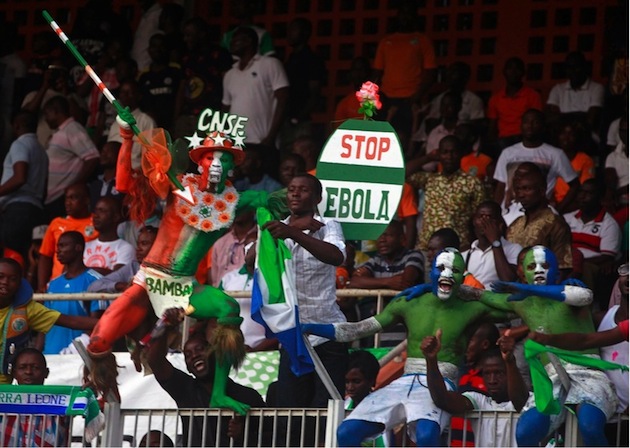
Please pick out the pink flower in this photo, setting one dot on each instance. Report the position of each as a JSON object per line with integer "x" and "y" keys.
{"x": 369, "y": 92}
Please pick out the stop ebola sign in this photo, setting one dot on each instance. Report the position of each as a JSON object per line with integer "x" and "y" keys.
{"x": 362, "y": 171}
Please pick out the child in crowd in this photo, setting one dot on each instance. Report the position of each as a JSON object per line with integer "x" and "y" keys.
{"x": 363, "y": 369}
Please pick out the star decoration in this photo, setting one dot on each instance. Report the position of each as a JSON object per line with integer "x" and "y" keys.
{"x": 195, "y": 140}
{"x": 205, "y": 212}
{"x": 239, "y": 140}
{"x": 219, "y": 139}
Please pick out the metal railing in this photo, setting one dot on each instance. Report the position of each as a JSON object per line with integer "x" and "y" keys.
{"x": 273, "y": 427}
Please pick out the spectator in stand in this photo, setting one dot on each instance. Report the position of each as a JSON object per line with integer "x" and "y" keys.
{"x": 196, "y": 391}
{"x": 363, "y": 369}
{"x": 155, "y": 438}
{"x": 125, "y": 68}
{"x": 491, "y": 257}
{"x": 72, "y": 156}
{"x": 612, "y": 136}
{"x": 170, "y": 23}
{"x": 507, "y": 106}
{"x": 22, "y": 185}
{"x": 616, "y": 171}
{"x": 405, "y": 70}
{"x": 30, "y": 369}
{"x": 33, "y": 254}
{"x": 483, "y": 340}
{"x": 456, "y": 78}
{"x": 450, "y": 106}
{"x": 159, "y": 83}
{"x": 306, "y": 73}
{"x": 203, "y": 67}
{"x": 394, "y": 266}
{"x": 579, "y": 95}
{"x": 79, "y": 218}
{"x": 228, "y": 253}
{"x": 290, "y": 165}
{"x": 251, "y": 175}
{"x": 76, "y": 278}
{"x": 256, "y": 87}
{"x": 307, "y": 148}
{"x": 553, "y": 163}
{"x": 597, "y": 237}
{"x": 317, "y": 246}
{"x": 129, "y": 96}
{"x": 570, "y": 140}
{"x": 475, "y": 162}
{"x": 14, "y": 80}
{"x": 147, "y": 27}
{"x": 348, "y": 107}
{"x": 107, "y": 252}
{"x": 506, "y": 390}
{"x": 440, "y": 240}
{"x": 105, "y": 183}
{"x": 540, "y": 225}
{"x": 56, "y": 82}
{"x": 120, "y": 279}
{"x": 450, "y": 196}
{"x": 20, "y": 315}
{"x": 244, "y": 11}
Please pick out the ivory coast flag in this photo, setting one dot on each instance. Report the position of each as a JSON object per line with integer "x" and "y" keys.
{"x": 274, "y": 300}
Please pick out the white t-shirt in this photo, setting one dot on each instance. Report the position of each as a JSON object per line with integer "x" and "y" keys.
{"x": 590, "y": 94}
{"x": 472, "y": 107}
{"x": 617, "y": 353}
{"x": 107, "y": 254}
{"x": 552, "y": 161}
{"x": 618, "y": 160}
{"x": 251, "y": 93}
{"x": 491, "y": 431}
{"x": 480, "y": 263}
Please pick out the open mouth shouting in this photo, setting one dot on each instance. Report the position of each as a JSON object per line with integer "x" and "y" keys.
{"x": 445, "y": 285}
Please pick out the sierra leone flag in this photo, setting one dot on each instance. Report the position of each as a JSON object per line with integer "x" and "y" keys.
{"x": 274, "y": 300}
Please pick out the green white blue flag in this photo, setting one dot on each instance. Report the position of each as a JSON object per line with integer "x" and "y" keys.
{"x": 274, "y": 300}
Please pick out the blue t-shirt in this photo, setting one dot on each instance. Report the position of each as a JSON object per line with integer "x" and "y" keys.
{"x": 58, "y": 337}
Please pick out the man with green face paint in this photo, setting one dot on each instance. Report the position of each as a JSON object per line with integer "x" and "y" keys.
{"x": 188, "y": 229}
{"x": 408, "y": 398}
{"x": 550, "y": 308}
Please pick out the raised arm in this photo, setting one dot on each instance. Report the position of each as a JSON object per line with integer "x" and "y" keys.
{"x": 158, "y": 347}
{"x": 517, "y": 389}
{"x": 443, "y": 398}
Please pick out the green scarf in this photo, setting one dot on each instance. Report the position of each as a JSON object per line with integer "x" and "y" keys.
{"x": 543, "y": 389}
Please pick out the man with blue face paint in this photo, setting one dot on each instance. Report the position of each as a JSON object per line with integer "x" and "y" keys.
{"x": 408, "y": 398}
{"x": 550, "y": 308}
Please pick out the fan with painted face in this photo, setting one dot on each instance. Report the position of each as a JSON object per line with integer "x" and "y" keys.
{"x": 447, "y": 273}
{"x": 540, "y": 266}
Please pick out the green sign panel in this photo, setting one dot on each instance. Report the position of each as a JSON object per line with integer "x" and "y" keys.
{"x": 362, "y": 170}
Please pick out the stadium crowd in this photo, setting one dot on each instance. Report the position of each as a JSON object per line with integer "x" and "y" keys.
{"x": 489, "y": 186}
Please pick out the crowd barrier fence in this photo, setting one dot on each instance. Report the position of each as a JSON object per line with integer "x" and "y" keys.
{"x": 273, "y": 426}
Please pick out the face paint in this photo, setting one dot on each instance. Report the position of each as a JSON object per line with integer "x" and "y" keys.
{"x": 541, "y": 267}
{"x": 447, "y": 273}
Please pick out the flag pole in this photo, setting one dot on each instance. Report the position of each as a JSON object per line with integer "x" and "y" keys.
{"x": 321, "y": 370}
{"x": 101, "y": 85}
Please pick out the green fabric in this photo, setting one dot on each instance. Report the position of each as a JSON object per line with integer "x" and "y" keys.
{"x": 543, "y": 388}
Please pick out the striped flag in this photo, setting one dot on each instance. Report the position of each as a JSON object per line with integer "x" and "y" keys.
{"x": 274, "y": 299}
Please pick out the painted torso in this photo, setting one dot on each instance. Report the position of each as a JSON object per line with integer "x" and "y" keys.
{"x": 182, "y": 240}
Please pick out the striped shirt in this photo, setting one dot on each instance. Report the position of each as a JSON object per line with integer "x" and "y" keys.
{"x": 601, "y": 236}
